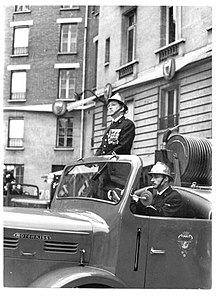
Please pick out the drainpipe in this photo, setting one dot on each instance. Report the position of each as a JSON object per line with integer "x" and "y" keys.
{"x": 83, "y": 83}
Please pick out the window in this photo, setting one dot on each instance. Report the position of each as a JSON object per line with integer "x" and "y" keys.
{"x": 171, "y": 24}
{"x": 128, "y": 42}
{"x": 128, "y": 36}
{"x": 21, "y": 8}
{"x": 169, "y": 116}
{"x": 107, "y": 50}
{"x": 65, "y": 132}
{"x": 20, "y": 41}
{"x": 171, "y": 42}
{"x": 16, "y": 133}
{"x": 95, "y": 10}
{"x": 69, "y": 7}
{"x": 131, "y": 36}
{"x": 104, "y": 115}
{"x": 95, "y": 64}
{"x": 57, "y": 168}
{"x": 66, "y": 84}
{"x": 68, "y": 38}
{"x": 18, "y": 85}
{"x": 17, "y": 171}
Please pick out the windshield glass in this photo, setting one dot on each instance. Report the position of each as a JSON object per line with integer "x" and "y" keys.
{"x": 104, "y": 181}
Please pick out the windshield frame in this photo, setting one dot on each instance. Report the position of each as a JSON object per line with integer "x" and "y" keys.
{"x": 99, "y": 164}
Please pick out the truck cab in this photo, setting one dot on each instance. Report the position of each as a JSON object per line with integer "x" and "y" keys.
{"x": 89, "y": 237}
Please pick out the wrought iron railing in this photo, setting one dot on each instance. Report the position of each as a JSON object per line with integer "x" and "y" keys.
{"x": 169, "y": 52}
{"x": 126, "y": 71}
{"x": 16, "y": 142}
{"x": 18, "y": 96}
{"x": 168, "y": 121}
{"x": 20, "y": 50}
{"x": 22, "y": 7}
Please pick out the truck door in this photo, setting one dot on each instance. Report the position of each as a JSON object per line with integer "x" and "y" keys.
{"x": 179, "y": 253}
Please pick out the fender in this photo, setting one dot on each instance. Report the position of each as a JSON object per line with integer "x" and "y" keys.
{"x": 71, "y": 277}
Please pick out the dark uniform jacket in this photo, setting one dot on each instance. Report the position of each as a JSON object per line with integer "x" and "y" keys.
{"x": 118, "y": 138}
{"x": 168, "y": 204}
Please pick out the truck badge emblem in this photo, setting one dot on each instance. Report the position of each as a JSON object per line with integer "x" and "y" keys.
{"x": 185, "y": 240}
{"x": 31, "y": 236}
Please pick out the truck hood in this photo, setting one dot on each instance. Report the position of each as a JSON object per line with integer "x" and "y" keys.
{"x": 47, "y": 235}
{"x": 48, "y": 220}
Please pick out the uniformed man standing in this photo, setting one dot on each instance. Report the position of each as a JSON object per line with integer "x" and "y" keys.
{"x": 120, "y": 134}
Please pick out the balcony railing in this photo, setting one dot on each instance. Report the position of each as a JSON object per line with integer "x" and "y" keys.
{"x": 20, "y": 50}
{"x": 22, "y": 8}
{"x": 168, "y": 121}
{"x": 16, "y": 142}
{"x": 18, "y": 96}
{"x": 173, "y": 49}
{"x": 125, "y": 71}
{"x": 169, "y": 52}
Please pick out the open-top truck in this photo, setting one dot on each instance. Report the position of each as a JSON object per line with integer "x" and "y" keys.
{"x": 89, "y": 237}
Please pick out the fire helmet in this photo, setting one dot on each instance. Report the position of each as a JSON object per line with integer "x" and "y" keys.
{"x": 161, "y": 168}
{"x": 117, "y": 97}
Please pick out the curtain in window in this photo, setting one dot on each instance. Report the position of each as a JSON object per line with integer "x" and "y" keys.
{"x": 130, "y": 37}
{"x": 18, "y": 86}
{"x": 21, "y": 41}
{"x": 67, "y": 84}
{"x": 16, "y": 133}
{"x": 68, "y": 38}
{"x": 168, "y": 109}
{"x": 65, "y": 132}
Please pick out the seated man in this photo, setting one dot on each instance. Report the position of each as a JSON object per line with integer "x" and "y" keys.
{"x": 167, "y": 202}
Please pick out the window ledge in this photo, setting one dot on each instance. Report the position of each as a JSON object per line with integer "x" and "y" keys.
{"x": 66, "y": 53}
{"x": 127, "y": 64}
{"x": 14, "y": 148}
{"x": 23, "y": 11}
{"x": 70, "y": 8}
{"x": 169, "y": 50}
{"x": 127, "y": 69}
{"x": 66, "y": 99}
{"x": 19, "y": 55}
{"x": 106, "y": 64}
{"x": 63, "y": 149}
{"x": 16, "y": 100}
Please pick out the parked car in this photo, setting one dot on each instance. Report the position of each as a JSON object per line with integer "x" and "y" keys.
{"x": 24, "y": 195}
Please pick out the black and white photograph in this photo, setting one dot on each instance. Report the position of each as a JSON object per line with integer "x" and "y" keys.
{"x": 107, "y": 140}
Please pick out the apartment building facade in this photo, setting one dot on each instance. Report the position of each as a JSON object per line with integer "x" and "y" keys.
{"x": 45, "y": 54}
{"x": 159, "y": 58}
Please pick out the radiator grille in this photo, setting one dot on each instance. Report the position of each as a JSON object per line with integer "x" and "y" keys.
{"x": 60, "y": 247}
{"x": 11, "y": 243}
